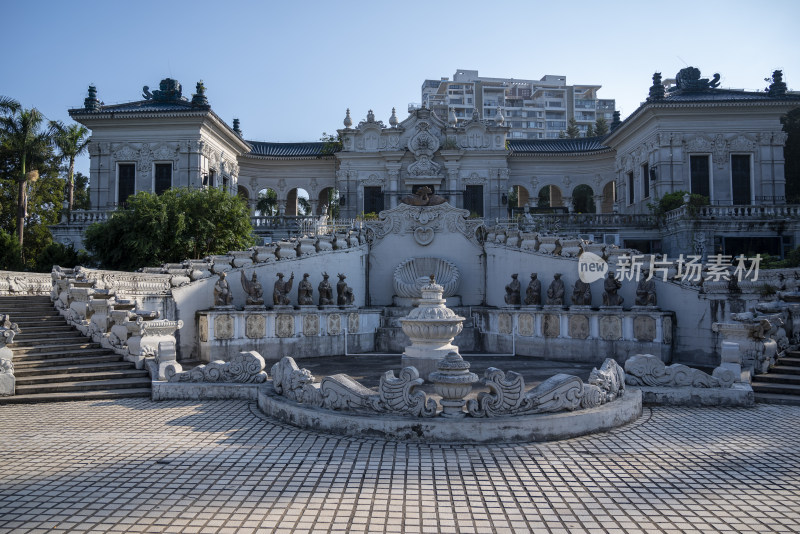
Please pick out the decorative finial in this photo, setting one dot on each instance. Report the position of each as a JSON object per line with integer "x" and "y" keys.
{"x": 451, "y": 118}
{"x": 778, "y": 86}
{"x": 348, "y": 122}
{"x": 370, "y": 116}
{"x": 615, "y": 121}
{"x": 393, "y": 119}
{"x": 475, "y": 115}
{"x": 91, "y": 103}
{"x": 236, "y": 128}
{"x": 498, "y": 118}
{"x": 657, "y": 91}
{"x": 199, "y": 98}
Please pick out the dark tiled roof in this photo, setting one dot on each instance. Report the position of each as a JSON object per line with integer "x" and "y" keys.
{"x": 142, "y": 106}
{"x": 551, "y": 146}
{"x": 287, "y": 150}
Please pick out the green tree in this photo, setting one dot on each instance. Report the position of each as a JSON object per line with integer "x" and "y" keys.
{"x": 26, "y": 146}
{"x": 267, "y": 203}
{"x": 791, "y": 155}
{"x": 177, "y": 225}
{"x": 71, "y": 141}
{"x": 303, "y": 206}
{"x": 600, "y": 127}
{"x": 572, "y": 128}
{"x": 331, "y": 143}
{"x": 590, "y": 131}
{"x": 82, "y": 201}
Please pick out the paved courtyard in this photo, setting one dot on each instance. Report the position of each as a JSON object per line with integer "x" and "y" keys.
{"x": 138, "y": 466}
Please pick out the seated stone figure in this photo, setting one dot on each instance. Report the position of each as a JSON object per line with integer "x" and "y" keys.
{"x": 582, "y": 294}
{"x": 512, "y": 297}
{"x": 304, "y": 292}
{"x": 555, "y": 293}
{"x": 611, "y": 286}
{"x": 255, "y": 293}
{"x": 646, "y": 291}
{"x": 344, "y": 292}
{"x": 325, "y": 291}
{"x": 280, "y": 292}
{"x": 533, "y": 295}
{"x": 222, "y": 291}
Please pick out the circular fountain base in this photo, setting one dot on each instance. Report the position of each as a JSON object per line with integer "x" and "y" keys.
{"x": 527, "y": 428}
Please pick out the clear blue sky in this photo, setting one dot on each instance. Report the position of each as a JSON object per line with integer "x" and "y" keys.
{"x": 288, "y": 70}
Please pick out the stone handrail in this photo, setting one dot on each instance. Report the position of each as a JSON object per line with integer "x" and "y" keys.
{"x": 760, "y": 211}
{"x": 7, "y": 332}
{"x": 89, "y": 216}
{"x": 590, "y": 220}
{"x": 19, "y": 283}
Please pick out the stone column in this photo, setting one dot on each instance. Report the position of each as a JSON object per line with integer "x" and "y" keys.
{"x": 567, "y": 201}
{"x": 394, "y": 174}
{"x": 598, "y": 203}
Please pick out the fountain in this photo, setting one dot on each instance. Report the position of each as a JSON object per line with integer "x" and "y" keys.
{"x": 431, "y": 327}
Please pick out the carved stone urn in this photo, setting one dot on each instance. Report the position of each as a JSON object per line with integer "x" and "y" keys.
{"x": 453, "y": 382}
{"x": 431, "y": 327}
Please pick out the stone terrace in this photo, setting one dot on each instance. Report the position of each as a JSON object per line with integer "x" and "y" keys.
{"x": 138, "y": 466}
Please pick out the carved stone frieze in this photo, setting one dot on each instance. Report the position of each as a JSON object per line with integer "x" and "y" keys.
{"x": 505, "y": 323}
{"x": 525, "y": 324}
{"x": 578, "y": 327}
{"x": 353, "y": 325}
{"x": 551, "y": 325}
{"x": 334, "y": 324}
{"x": 255, "y": 326}
{"x": 284, "y": 325}
{"x": 649, "y": 370}
{"x": 610, "y": 328}
{"x": 644, "y": 328}
{"x": 311, "y": 325}
{"x": 243, "y": 368}
{"x": 405, "y": 219}
{"x": 223, "y": 327}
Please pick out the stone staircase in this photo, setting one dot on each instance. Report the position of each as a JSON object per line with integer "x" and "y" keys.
{"x": 781, "y": 385}
{"x": 54, "y": 362}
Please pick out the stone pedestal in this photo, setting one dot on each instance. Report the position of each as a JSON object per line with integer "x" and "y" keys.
{"x": 431, "y": 327}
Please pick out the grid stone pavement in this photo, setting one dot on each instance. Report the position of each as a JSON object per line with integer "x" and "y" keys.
{"x": 137, "y": 466}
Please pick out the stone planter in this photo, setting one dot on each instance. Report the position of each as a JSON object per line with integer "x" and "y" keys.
{"x": 286, "y": 250}
{"x": 453, "y": 382}
{"x": 265, "y": 254}
{"x": 570, "y": 248}
{"x": 324, "y": 242}
{"x": 548, "y": 244}
{"x": 528, "y": 241}
{"x": 242, "y": 258}
{"x": 306, "y": 246}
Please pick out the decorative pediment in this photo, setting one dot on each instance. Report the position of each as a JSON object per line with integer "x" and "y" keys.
{"x": 406, "y": 219}
{"x": 423, "y": 142}
{"x": 742, "y": 144}
{"x": 699, "y": 143}
{"x": 126, "y": 153}
{"x": 164, "y": 152}
{"x": 474, "y": 179}
{"x": 424, "y": 167}
{"x": 475, "y": 136}
{"x": 373, "y": 180}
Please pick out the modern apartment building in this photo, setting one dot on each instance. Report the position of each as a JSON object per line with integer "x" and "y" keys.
{"x": 533, "y": 109}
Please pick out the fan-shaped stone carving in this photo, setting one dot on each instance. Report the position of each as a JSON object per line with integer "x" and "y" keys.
{"x": 414, "y": 273}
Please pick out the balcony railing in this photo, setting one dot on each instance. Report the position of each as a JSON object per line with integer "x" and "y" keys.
{"x": 754, "y": 212}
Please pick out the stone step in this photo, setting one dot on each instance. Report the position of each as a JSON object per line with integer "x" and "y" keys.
{"x": 79, "y": 376}
{"x": 78, "y": 396}
{"x": 789, "y": 361}
{"x": 87, "y": 385}
{"x": 55, "y": 348}
{"x": 39, "y": 321}
{"x": 781, "y": 369}
{"x": 96, "y": 367}
{"x": 768, "y": 387}
{"x": 778, "y": 378}
{"x": 67, "y": 360}
{"x": 56, "y": 355}
{"x": 777, "y": 398}
{"x": 29, "y": 311}
{"x": 32, "y": 340}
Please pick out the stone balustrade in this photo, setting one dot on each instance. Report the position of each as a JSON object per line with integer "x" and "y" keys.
{"x": 7, "y": 332}
{"x": 578, "y": 333}
{"x": 19, "y": 283}
{"x": 281, "y": 331}
{"x": 750, "y": 212}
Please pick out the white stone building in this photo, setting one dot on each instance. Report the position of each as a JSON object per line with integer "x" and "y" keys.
{"x": 726, "y": 145}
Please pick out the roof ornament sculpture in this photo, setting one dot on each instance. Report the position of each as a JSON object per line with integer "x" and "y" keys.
{"x": 616, "y": 121}
{"x": 393, "y": 119}
{"x": 688, "y": 80}
{"x": 778, "y": 86}
{"x": 91, "y": 103}
{"x": 348, "y": 122}
{"x": 236, "y": 127}
{"x": 199, "y": 98}
{"x": 657, "y": 91}
{"x": 498, "y": 118}
{"x": 451, "y": 118}
{"x": 370, "y": 116}
{"x": 169, "y": 90}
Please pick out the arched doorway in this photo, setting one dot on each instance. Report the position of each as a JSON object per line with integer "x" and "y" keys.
{"x": 583, "y": 199}
{"x": 517, "y": 198}
{"x": 549, "y": 196}
{"x": 328, "y": 203}
{"x": 267, "y": 203}
{"x": 297, "y": 202}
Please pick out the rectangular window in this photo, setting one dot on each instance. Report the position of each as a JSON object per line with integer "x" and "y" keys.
{"x": 646, "y": 181}
{"x": 700, "y": 175}
{"x": 373, "y": 199}
{"x": 163, "y": 177}
{"x": 473, "y": 199}
{"x": 631, "y": 190}
{"x": 126, "y": 184}
{"x": 212, "y": 179}
{"x": 740, "y": 178}
{"x": 224, "y": 183}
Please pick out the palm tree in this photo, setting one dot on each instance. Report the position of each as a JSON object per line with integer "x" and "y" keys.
{"x": 21, "y": 136}
{"x": 71, "y": 141}
{"x": 267, "y": 202}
